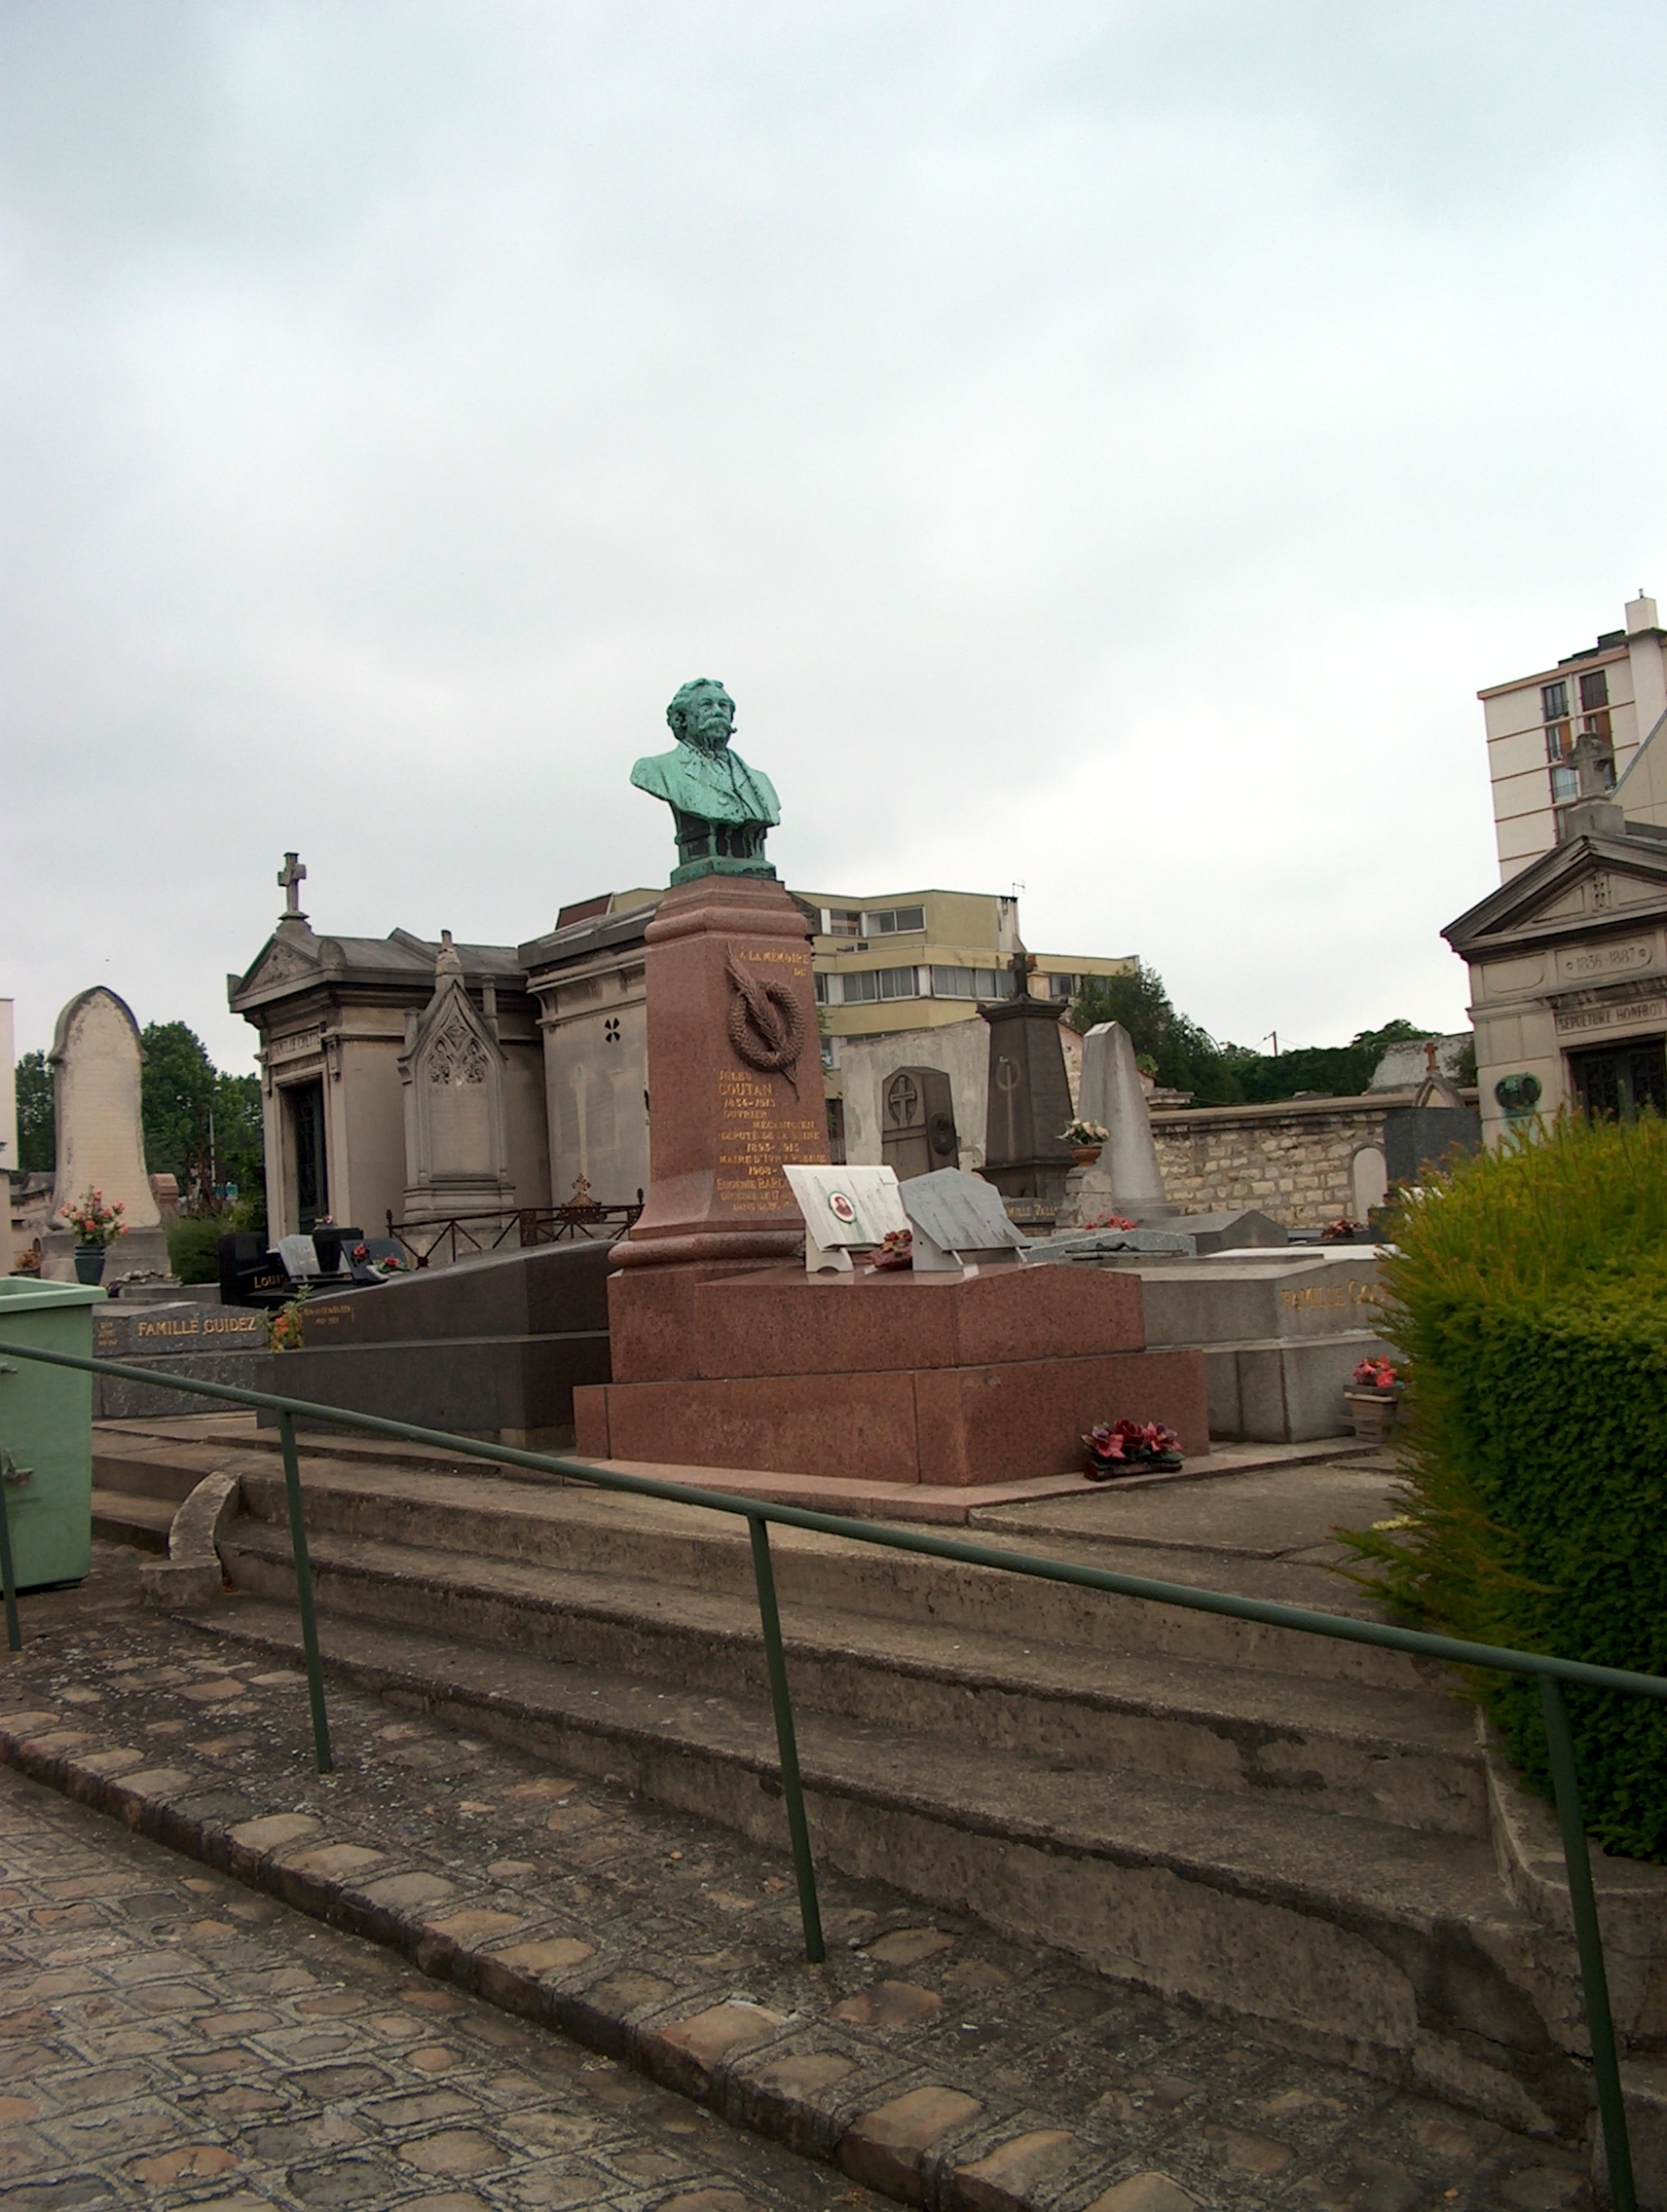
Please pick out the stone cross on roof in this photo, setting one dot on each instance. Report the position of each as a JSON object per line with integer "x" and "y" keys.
{"x": 290, "y": 877}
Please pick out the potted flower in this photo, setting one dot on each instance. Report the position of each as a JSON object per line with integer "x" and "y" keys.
{"x": 1087, "y": 1140}
{"x": 1375, "y": 1400}
{"x": 1341, "y": 1231}
{"x": 1112, "y": 1220}
{"x": 1130, "y": 1447}
{"x": 97, "y": 1226}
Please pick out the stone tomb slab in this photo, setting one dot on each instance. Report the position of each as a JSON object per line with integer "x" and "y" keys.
{"x": 490, "y": 1348}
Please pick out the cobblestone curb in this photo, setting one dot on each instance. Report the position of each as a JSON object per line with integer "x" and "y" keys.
{"x": 931, "y": 2060}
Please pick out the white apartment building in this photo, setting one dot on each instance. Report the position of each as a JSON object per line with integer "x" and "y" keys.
{"x": 1616, "y": 689}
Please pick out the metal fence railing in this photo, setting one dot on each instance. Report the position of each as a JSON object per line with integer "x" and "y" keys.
{"x": 1549, "y": 1672}
{"x": 444, "y": 1238}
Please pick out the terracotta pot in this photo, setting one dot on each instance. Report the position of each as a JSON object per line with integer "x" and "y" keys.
{"x": 1085, "y": 1155}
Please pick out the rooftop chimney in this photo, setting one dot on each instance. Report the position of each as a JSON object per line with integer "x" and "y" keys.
{"x": 1639, "y": 614}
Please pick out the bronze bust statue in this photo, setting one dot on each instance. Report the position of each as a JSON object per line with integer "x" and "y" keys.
{"x": 721, "y": 808}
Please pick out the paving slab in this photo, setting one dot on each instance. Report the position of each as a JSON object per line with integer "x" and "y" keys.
{"x": 928, "y": 2058}
{"x": 1283, "y": 1512}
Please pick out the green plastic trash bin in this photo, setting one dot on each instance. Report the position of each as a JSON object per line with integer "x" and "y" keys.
{"x": 46, "y": 1424}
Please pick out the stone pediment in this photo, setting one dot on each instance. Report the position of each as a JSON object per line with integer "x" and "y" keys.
{"x": 282, "y": 960}
{"x": 1574, "y": 889}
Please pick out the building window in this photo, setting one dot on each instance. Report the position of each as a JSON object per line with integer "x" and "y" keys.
{"x": 1594, "y": 690}
{"x": 1061, "y": 986}
{"x": 971, "y": 983}
{"x": 1554, "y": 701}
{"x": 1565, "y": 786}
{"x": 841, "y": 921}
{"x": 898, "y": 919}
{"x": 864, "y": 985}
{"x": 820, "y": 984}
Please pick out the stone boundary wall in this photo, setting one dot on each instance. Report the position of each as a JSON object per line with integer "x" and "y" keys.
{"x": 1293, "y": 1160}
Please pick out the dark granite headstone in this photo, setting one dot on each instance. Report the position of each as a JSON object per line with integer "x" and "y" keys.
{"x": 1417, "y": 1137}
{"x": 491, "y": 1347}
{"x": 250, "y": 1275}
{"x": 1025, "y": 1156}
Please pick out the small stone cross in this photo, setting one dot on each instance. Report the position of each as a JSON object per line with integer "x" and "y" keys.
{"x": 290, "y": 877}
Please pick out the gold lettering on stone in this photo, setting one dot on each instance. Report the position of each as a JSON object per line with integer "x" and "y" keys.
{"x": 1333, "y": 1295}
{"x": 754, "y": 1137}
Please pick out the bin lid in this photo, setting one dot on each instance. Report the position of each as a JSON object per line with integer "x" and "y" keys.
{"x": 25, "y": 1294}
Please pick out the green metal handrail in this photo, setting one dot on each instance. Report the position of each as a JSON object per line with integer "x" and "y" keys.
{"x": 1551, "y": 1672}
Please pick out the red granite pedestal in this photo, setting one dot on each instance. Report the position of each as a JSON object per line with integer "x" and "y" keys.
{"x": 883, "y": 1377}
{"x": 735, "y": 1075}
{"x": 726, "y": 1354}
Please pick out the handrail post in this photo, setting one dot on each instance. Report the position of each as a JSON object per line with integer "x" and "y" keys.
{"x": 1589, "y": 1942}
{"x": 304, "y": 1592}
{"x": 786, "y": 1743}
{"x": 8, "y": 1571}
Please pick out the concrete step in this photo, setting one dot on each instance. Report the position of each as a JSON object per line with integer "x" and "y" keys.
{"x": 123, "y": 1519}
{"x": 143, "y": 1471}
{"x": 1409, "y": 1758}
{"x": 581, "y": 1530}
{"x": 1394, "y": 1950}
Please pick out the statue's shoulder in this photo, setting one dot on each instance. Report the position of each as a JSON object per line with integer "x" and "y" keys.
{"x": 656, "y": 773}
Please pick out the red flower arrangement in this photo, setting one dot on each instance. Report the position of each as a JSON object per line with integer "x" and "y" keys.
{"x": 1376, "y": 1375}
{"x": 1130, "y": 1447}
{"x": 1112, "y": 1220}
{"x": 92, "y": 1221}
{"x": 895, "y": 1250}
{"x": 1338, "y": 1232}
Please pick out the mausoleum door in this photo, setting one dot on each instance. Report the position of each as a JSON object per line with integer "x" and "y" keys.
{"x": 1621, "y": 1082}
{"x": 312, "y": 1172}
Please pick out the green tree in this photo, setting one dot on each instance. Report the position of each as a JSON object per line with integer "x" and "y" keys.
{"x": 1187, "y": 1056}
{"x": 37, "y": 1134}
{"x": 201, "y": 1126}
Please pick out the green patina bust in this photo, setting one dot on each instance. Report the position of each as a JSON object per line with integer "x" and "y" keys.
{"x": 722, "y": 809}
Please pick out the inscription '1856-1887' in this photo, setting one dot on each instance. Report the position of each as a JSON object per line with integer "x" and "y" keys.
{"x": 754, "y": 1135}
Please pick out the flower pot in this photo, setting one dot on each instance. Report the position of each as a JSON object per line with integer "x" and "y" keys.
{"x": 1098, "y": 1471}
{"x": 90, "y": 1262}
{"x": 1373, "y": 1413}
{"x": 1085, "y": 1155}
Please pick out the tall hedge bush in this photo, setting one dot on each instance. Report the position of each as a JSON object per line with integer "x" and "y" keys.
{"x": 1530, "y": 1298}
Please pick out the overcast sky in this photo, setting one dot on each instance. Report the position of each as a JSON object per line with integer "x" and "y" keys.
{"x": 1101, "y": 447}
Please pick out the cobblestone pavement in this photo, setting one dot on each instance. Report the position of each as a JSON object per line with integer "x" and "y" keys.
{"x": 172, "y": 2034}
{"x": 170, "y": 2037}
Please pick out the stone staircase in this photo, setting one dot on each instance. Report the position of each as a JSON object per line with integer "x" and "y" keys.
{"x": 137, "y": 1488}
{"x": 1306, "y": 1834}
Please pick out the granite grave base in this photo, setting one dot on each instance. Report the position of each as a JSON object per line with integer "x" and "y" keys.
{"x": 1280, "y": 1332}
{"x": 892, "y": 1377}
{"x": 207, "y": 1343}
{"x": 491, "y": 1347}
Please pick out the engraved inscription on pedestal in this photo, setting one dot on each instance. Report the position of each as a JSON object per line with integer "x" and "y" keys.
{"x": 754, "y": 1135}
